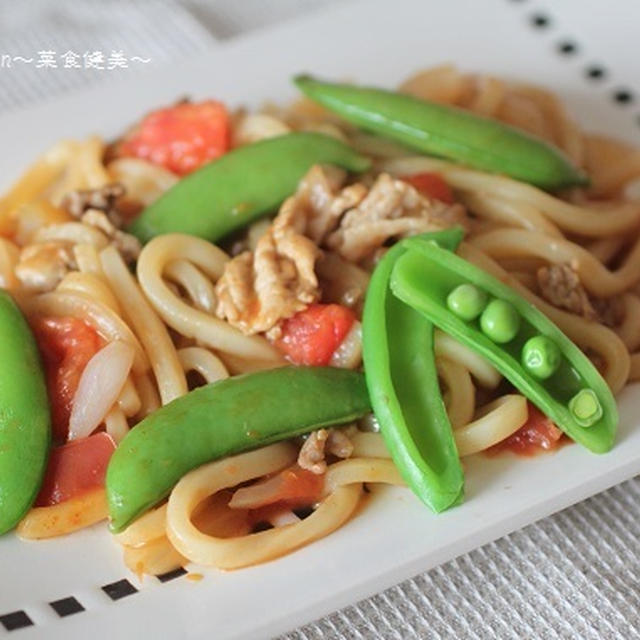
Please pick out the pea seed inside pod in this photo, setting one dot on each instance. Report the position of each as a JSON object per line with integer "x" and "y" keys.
{"x": 500, "y": 321}
{"x": 585, "y": 407}
{"x": 541, "y": 357}
{"x": 467, "y": 301}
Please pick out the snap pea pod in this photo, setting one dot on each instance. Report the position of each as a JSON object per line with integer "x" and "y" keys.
{"x": 224, "y": 418}
{"x": 242, "y": 185}
{"x": 449, "y": 132}
{"x": 403, "y": 386}
{"x": 25, "y": 430}
{"x": 553, "y": 373}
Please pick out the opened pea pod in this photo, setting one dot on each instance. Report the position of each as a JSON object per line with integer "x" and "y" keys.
{"x": 520, "y": 341}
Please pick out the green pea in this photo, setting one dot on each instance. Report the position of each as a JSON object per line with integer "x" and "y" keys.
{"x": 541, "y": 357}
{"x": 585, "y": 407}
{"x": 500, "y": 321}
{"x": 467, "y": 301}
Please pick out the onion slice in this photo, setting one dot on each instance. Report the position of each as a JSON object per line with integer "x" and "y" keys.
{"x": 100, "y": 385}
{"x": 348, "y": 355}
{"x": 258, "y": 495}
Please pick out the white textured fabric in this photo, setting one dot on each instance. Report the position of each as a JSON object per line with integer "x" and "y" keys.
{"x": 156, "y": 30}
{"x": 573, "y": 575}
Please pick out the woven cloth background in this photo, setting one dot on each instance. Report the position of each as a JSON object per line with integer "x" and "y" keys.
{"x": 573, "y": 575}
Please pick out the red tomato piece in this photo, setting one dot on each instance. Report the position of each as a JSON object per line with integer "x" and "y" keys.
{"x": 537, "y": 434}
{"x": 66, "y": 345}
{"x": 432, "y": 185}
{"x": 311, "y": 336}
{"x": 181, "y": 138}
{"x": 297, "y": 487}
{"x": 75, "y": 468}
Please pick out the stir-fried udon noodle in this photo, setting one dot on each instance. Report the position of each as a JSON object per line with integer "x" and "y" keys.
{"x": 180, "y": 311}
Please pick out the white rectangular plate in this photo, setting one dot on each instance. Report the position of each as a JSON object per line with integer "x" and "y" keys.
{"x": 394, "y": 537}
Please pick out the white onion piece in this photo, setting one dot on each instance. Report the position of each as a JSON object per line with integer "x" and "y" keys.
{"x": 283, "y": 518}
{"x": 348, "y": 355}
{"x": 258, "y": 126}
{"x": 257, "y": 495}
{"x": 99, "y": 387}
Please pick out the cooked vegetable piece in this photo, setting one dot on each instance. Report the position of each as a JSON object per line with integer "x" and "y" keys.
{"x": 312, "y": 335}
{"x": 66, "y": 345}
{"x": 431, "y": 184}
{"x": 585, "y": 407}
{"x": 25, "y": 425}
{"x": 537, "y": 434}
{"x": 467, "y": 301}
{"x": 76, "y": 468}
{"x": 223, "y": 418}
{"x": 423, "y": 278}
{"x": 291, "y": 488}
{"x": 500, "y": 321}
{"x": 541, "y": 357}
{"x": 180, "y": 138}
{"x": 449, "y": 132}
{"x": 241, "y": 186}
{"x": 403, "y": 385}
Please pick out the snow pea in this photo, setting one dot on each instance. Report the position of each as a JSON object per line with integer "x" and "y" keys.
{"x": 242, "y": 185}
{"x": 448, "y": 131}
{"x": 574, "y": 395}
{"x": 221, "y": 419}
{"x": 25, "y": 429}
{"x": 401, "y": 376}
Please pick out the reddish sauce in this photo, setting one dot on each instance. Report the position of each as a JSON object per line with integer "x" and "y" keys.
{"x": 536, "y": 435}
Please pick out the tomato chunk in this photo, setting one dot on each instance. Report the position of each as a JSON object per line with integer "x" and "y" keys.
{"x": 66, "y": 345}
{"x": 311, "y": 336}
{"x": 290, "y": 489}
{"x": 181, "y": 138}
{"x": 432, "y": 185}
{"x": 537, "y": 434}
{"x": 75, "y": 468}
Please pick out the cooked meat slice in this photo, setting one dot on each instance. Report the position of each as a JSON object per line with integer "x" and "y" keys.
{"x": 129, "y": 246}
{"x": 261, "y": 287}
{"x": 318, "y": 444}
{"x": 560, "y": 285}
{"x": 103, "y": 199}
{"x": 338, "y": 444}
{"x": 311, "y": 456}
{"x": 391, "y": 209}
{"x": 321, "y": 203}
{"x": 42, "y": 267}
